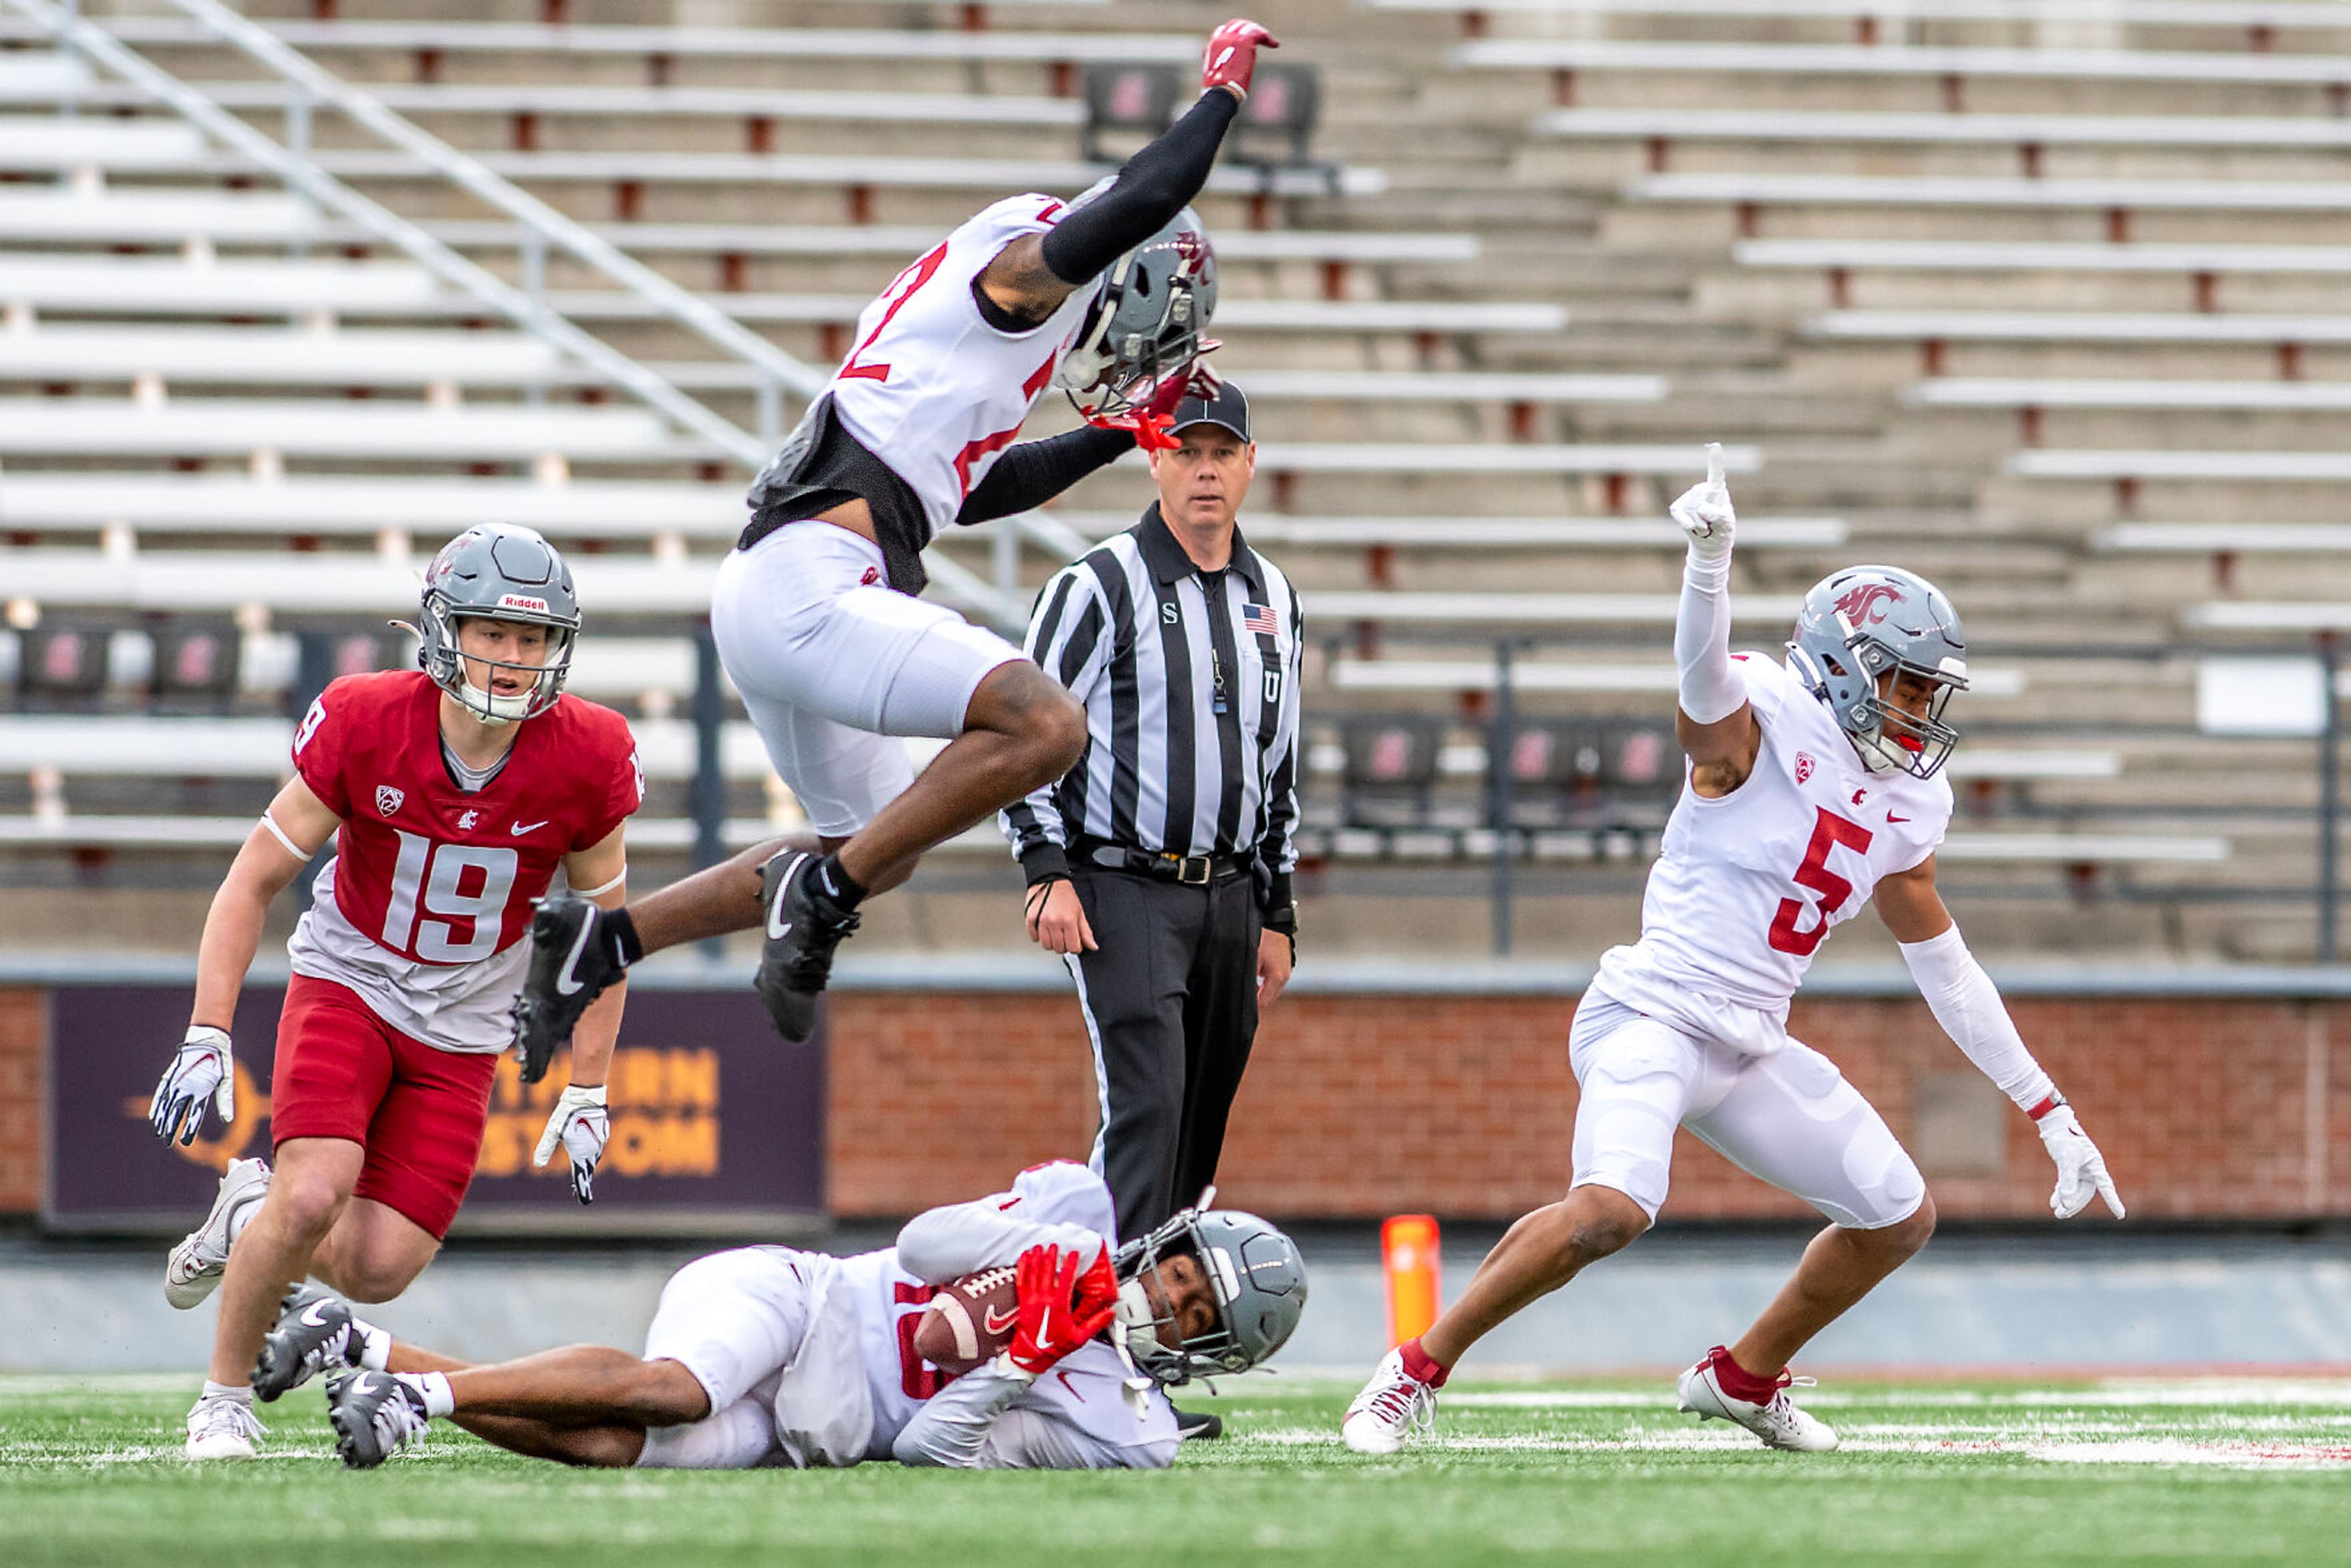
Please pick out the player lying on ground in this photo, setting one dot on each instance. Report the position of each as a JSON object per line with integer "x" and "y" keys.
{"x": 1809, "y": 786}
{"x": 454, "y": 793}
{"x": 814, "y": 611}
{"x": 769, "y": 1357}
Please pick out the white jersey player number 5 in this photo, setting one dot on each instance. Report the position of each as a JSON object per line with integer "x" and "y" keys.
{"x": 1788, "y": 934}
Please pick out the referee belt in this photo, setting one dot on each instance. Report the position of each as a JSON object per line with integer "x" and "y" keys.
{"x": 1192, "y": 870}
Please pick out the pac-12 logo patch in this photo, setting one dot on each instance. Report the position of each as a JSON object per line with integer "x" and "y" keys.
{"x": 1803, "y": 766}
{"x": 388, "y": 799}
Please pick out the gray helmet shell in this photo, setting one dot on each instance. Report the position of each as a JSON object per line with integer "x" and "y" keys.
{"x": 1253, "y": 1269}
{"x": 498, "y": 571}
{"x": 1146, "y": 322}
{"x": 1856, "y": 625}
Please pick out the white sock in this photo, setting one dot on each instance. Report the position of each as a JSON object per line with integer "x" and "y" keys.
{"x": 439, "y": 1399}
{"x": 240, "y": 1394}
{"x": 375, "y": 1346}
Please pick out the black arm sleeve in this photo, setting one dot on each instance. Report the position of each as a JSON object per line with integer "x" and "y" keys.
{"x": 1034, "y": 472}
{"x": 1150, "y": 190}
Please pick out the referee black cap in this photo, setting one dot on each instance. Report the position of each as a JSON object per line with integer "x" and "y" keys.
{"x": 1229, "y": 408}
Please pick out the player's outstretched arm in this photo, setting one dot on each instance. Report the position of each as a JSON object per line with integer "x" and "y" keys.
{"x": 580, "y": 1120}
{"x": 293, "y": 828}
{"x": 1967, "y": 1005}
{"x": 1030, "y": 278}
{"x": 1714, "y": 723}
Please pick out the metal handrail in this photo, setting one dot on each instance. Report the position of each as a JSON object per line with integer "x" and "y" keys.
{"x": 523, "y": 308}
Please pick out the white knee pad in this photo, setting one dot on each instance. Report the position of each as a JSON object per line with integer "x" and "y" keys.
{"x": 741, "y": 1436}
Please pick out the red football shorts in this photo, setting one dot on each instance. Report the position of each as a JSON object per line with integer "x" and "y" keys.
{"x": 343, "y": 1072}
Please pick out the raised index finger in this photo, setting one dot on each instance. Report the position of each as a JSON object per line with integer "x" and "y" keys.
{"x": 1714, "y": 463}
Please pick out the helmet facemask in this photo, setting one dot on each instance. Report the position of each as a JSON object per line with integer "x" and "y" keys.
{"x": 1145, "y": 324}
{"x": 1143, "y": 1313}
{"x": 1890, "y": 738}
{"x": 443, "y": 657}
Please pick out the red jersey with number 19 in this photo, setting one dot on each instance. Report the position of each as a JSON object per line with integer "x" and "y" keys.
{"x": 425, "y": 906}
{"x": 1747, "y": 886}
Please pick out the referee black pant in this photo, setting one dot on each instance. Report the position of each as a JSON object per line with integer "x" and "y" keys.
{"x": 1170, "y": 1003}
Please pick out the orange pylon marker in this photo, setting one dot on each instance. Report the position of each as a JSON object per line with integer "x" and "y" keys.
{"x": 1408, "y": 1256}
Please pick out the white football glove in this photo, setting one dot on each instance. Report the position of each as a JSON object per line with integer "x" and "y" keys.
{"x": 579, "y": 1123}
{"x": 2081, "y": 1169}
{"x": 1703, "y": 510}
{"x": 201, "y": 1069}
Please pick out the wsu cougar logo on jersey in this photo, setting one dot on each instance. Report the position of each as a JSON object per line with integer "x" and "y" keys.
{"x": 1866, "y": 604}
{"x": 388, "y": 799}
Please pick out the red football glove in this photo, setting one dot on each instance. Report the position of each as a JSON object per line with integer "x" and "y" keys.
{"x": 1151, "y": 420}
{"x": 1055, "y": 1319}
{"x": 1231, "y": 55}
{"x": 1097, "y": 1287}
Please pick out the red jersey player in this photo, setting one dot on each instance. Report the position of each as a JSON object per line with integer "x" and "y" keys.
{"x": 455, "y": 794}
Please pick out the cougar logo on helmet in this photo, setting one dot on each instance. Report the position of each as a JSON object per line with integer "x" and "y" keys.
{"x": 1866, "y": 604}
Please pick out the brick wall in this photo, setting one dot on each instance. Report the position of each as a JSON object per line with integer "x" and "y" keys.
{"x": 1359, "y": 1105}
{"x": 1462, "y": 1106}
{"x": 24, "y": 1025}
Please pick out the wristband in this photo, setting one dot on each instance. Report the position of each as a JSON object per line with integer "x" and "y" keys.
{"x": 2049, "y": 1101}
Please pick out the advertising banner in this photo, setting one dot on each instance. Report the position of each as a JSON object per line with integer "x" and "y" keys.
{"x": 717, "y": 1123}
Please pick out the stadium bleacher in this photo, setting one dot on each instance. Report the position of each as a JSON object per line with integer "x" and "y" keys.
{"x": 1949, "y": 293}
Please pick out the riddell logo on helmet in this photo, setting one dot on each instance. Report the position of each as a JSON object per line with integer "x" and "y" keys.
{"x": 521, "y": 601}
{"x": 1866, "y": 604}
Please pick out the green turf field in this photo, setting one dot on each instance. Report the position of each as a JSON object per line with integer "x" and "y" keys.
{"x": 2239, "y": 1471}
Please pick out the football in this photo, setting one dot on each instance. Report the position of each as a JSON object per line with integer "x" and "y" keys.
{"x": 968, "y": 1320}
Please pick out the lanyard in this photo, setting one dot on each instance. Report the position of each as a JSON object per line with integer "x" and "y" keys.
{"x": 1212, "y": 590}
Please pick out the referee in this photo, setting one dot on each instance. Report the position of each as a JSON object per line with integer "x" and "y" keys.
{"x": 1159, "y": 867}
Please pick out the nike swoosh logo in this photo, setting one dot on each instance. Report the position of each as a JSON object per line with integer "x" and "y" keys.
{"x": 779, "y": 931}
{"x": 568, "y": 983}
{"x": 315, "y": 1314}
{"x": 519, "y": 828}
{"x": 993, "y": 1323}
{"x": 1892, "y": 818}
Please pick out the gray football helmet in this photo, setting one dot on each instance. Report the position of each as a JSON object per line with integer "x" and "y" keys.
{"x": 1255, "y": 1273}
{"x": 1858, "y": 625}
{"x": 1146, "y": 322}
{"x": 498, "y": 572}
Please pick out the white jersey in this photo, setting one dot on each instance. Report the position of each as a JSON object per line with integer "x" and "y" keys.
{"x": 931, "y": 388}
{"x": 857, "y": 1381}
{"x": 1747, "y": 886}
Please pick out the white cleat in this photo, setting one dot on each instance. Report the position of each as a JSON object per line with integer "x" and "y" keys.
{"x": 1778, "y": 1422}
{"x": 223, "y": 1429}
{"x": 195, "y": 1268}
{"x": 1393, "y": 1406}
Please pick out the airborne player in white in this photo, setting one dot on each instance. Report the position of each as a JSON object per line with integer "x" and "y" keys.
{"x": 1811, "y": 786}
{"x": 815, "y": 612}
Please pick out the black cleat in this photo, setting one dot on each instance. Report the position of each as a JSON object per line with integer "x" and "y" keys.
{"x": 802, "y": 930}
{"x": 571, "y": 962}
{"x": 314, "y": 1335}
{"x": 1197, "y": 1426}
{"x": 375, "y": 1415}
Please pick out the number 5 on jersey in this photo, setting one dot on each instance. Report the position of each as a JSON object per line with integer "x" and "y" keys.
{"x": 1828, "y": 831}
{"x": 433, "y": 877}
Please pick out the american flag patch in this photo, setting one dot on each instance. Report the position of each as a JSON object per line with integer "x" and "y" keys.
{"x": 1259, "y": 618}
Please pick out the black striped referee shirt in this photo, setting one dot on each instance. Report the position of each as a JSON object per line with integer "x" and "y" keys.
{"x": 1190, "y": 685}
